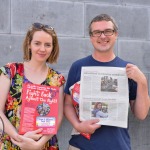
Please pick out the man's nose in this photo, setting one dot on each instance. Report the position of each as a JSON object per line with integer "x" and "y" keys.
{"x": 103, "y": 35}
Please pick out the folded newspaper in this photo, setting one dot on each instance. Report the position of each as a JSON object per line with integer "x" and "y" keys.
{"x": 104, "y": 95}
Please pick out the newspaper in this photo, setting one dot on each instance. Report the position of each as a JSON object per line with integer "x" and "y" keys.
{"x": 104, "y": 95}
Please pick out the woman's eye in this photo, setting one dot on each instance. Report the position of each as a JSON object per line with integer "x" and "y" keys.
{"x": 48, "y": 45}
{"x": 36, "y": 43}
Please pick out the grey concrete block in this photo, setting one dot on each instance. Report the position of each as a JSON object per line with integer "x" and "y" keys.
{"x": 131, "y": 20}
{"x": 11, "y": 49}
{"x": 67, "y": 18}
{"x": 97, "y": 1}
{"x": 4, "y": 16}
{"x": 139, "y": 132}
{"x": 72, "y": 49}
{"x": 136, "y": 2}
{"x": 64, "y": 134}
{"x": 137, "y": 52}
{"x": 148, "y": 82}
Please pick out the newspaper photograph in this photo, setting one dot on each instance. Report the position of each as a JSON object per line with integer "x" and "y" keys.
{"x": 104, "y": 95}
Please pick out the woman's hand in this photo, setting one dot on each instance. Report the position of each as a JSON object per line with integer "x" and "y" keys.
{"x": 35, "y": 135}
{"x": 26, "y": 143}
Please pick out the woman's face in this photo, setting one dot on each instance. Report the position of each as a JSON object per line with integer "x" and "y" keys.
{"x": 99, "y": 106}
{"x": 41, "y": 46}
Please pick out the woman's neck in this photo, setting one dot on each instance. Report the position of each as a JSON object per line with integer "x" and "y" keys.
{"x": 34, "y": 66}
{"x": 35, "y": 72}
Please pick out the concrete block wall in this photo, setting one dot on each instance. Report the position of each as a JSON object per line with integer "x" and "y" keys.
{"x": 70, "y": 18}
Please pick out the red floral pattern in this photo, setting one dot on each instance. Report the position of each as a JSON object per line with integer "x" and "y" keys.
{"x": 15, "y": 71}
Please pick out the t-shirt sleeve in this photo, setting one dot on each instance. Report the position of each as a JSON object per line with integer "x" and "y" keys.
{"x": 132, "y": 89}
{"x": 61, "y": 80}
{"x": 9, "y": 70}
{"x": 72, "y": 79}
{"x": 55, "y": 78}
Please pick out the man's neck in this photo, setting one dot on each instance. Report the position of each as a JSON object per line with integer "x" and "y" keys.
{"x": 103, "y": 57}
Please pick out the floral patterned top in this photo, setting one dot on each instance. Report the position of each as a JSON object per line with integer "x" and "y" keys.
{"x": 15, "y": 72}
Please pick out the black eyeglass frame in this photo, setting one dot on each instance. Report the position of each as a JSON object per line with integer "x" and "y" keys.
{"x": 104, "y": 32}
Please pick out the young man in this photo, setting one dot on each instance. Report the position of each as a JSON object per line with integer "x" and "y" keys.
{"x": 103, "y": 34}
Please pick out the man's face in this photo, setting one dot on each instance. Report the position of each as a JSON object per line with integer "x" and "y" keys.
{"x": 104, "y": 42}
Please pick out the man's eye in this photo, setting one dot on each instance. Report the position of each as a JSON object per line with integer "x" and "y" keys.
{"x": 97, "y": 32}
{"x": 108, "y": 31}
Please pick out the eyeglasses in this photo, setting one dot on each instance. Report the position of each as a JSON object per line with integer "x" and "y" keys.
{"x": 98, "y": 33}
{"x": 41, "y": 26}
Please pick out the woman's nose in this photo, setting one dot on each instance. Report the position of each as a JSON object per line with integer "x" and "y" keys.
{"x": 42, "y": 48}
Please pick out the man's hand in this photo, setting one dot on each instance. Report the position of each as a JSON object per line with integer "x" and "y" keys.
{"x": 88, "y": 126}
{"x": 133, "y": 72}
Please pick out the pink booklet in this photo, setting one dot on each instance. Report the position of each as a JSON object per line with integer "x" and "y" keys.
{"x": 39, "y": 108}
{"x": 75, "y": 94}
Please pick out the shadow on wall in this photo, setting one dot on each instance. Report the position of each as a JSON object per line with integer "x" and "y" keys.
{"x": 64, "y": 134}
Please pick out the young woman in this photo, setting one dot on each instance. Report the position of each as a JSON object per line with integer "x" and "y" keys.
{"x": 40, "y": 49}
